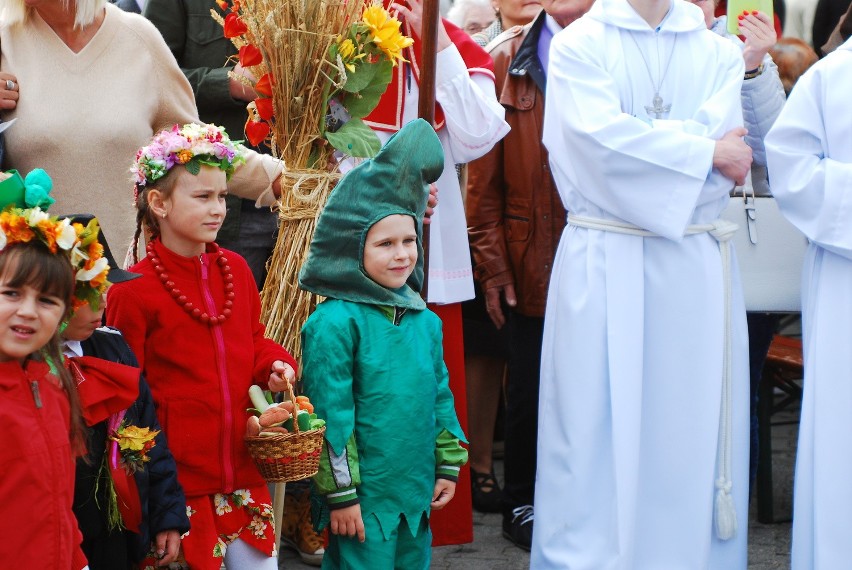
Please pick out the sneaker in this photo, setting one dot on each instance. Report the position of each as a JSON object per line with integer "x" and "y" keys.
{"x": 485, "y": 492}
{"x": 519, "y": 529}
{"x": 297, "y": 530}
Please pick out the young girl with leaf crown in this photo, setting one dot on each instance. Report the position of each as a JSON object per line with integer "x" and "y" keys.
{"x": 193, "y": 321}
{"x": 40, "y": 416}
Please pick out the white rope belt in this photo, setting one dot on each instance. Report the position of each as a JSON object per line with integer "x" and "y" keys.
{"x": 722, "y": 231}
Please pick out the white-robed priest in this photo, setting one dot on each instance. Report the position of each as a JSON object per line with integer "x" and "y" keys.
{"x": 809, "y": 151}
{"x": 644, "y": 410}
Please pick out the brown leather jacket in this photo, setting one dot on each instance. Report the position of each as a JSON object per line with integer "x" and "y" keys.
{"x": 514, "y": 214}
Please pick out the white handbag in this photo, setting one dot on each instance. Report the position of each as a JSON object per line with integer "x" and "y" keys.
{"x": 770, "y": 251}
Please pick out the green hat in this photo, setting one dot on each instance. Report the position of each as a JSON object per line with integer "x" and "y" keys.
{"x": 395, "y": 181}
{"x": 30, "y": 192}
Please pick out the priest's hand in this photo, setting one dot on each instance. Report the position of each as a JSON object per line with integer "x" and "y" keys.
{"x": 493, "y": 302}
{"x": 444, "y": 492}
{"x": 348, "y": 522}
{"x": 412, "y": 11}
{"x": 166, "y": 546}
{"x": 281, "y": 376}
{"x": 758, "y": 29}
{"x": 732, "y": 155}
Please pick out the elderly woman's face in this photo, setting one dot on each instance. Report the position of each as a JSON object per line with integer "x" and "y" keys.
{"x": 478, "y": 18}
{"x": 517, "y": 12}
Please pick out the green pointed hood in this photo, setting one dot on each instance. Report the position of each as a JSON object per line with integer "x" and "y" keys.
{"x": 395, "y": 181}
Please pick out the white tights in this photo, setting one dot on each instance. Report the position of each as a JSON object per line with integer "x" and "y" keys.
{"x": 241, "y": 556}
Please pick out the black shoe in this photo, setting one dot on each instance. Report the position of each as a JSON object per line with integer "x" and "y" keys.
{"x": 485, "y": 492}
{"x": 519, "y": 528}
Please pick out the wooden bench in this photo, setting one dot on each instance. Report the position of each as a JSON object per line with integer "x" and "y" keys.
{"x": 782, "y": 372}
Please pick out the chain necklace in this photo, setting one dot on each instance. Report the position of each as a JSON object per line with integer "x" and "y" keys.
{"x": 657, "y": 108}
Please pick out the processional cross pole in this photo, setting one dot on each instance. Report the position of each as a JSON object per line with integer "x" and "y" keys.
{"x": 426, "y": 100}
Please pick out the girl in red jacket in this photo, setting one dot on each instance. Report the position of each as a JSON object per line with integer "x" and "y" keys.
{"x": 193, "y": 320}
{"x": 39, "y": 408}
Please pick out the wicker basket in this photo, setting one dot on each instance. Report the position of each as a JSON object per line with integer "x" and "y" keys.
{"x": 288, "y": 456}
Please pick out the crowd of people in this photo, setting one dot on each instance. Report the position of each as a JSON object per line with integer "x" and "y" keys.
{"x": 584, "y": 149}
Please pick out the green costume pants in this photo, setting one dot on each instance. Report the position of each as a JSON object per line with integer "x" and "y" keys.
{"x": 399, "y": 550}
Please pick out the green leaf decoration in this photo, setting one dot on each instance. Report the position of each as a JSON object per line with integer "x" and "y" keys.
{"x": 355, "y": 139}
{"x": 363, "y": 75}
{"x": 361, "y": 104}
{"x": 193, "y": 167}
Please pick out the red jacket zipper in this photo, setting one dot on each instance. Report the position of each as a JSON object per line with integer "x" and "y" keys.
{"x": 221, "y": 364}
{"x": 42, "y": 429}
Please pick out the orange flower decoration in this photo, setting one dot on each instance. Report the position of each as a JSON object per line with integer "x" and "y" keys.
{"x": 48, "y": 230}
{"x": 264, "y": 85}
{"x": 234, "y": 26}
{"x": 250, "y": 56}
{"x": 264, "y": 107}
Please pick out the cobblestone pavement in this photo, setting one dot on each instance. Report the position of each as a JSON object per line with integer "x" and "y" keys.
{"x": 769, "y": 544}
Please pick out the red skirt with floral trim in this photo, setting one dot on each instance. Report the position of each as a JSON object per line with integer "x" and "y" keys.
{"x": 217, "y": 520}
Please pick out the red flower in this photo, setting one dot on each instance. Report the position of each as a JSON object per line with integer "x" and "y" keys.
{"x": 257, "y": 132}
{"x": 234, "y": 26}
{"x": 250, "y": 56}
{"x": 223, "y": 5}
{"x": 264, "y": 107}
{"x": 264, "y": 85}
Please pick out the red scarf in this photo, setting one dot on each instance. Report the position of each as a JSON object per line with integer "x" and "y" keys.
{"x": 387, "y": 116}
{"x": 104, "y": 387}
{"x": 106, "y": 390}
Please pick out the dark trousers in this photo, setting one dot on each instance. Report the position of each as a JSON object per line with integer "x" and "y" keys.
{"x": 524, "y": 365}
{"x": 761, "y": 329}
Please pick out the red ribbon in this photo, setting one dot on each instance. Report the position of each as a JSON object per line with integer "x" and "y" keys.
{"x": 126, "y": 491}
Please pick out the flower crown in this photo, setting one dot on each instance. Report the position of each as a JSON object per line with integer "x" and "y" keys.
{"x": 190, "y": 145}
{"x": 79, "y": 243}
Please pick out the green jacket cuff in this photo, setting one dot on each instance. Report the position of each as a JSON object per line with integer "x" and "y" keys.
{"x": 449, "y": 456}
{"x": 342, "y": 498}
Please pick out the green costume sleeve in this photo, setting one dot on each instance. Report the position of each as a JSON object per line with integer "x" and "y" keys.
{"x": 445, "y": 411}
{"x": 330, "y": 342}
{"x": 339, "y": 475}
{"x": 449, "y": 456}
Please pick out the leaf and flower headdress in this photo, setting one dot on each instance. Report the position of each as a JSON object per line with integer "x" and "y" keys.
{"x": 190, "y": 145}
{"x": 76, "y": 241}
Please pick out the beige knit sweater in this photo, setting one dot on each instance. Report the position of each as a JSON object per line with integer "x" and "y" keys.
{"x": 82, "y": 116}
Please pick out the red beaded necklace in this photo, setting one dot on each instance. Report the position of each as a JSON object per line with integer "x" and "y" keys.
{"x": 181, "y": 299}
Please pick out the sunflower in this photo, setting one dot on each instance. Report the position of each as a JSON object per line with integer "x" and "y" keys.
{"x": 385, "y": 32}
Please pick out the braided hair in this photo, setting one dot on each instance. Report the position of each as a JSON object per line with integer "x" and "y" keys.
{"x": 146, "y": 220}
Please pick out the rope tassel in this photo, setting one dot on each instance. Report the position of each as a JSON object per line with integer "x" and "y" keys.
{"x": 725, "y": 512}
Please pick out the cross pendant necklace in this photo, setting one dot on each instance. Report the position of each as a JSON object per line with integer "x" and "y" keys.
{"x": 657, "y": 108}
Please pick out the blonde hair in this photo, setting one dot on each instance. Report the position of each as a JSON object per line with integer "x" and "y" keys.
{"x": 16, "y": 12}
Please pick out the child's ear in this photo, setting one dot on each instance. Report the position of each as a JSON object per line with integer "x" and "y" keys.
{"x": 157, "y": 203}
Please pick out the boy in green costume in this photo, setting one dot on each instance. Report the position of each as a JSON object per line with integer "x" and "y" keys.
{"x": 373, "y": 363}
